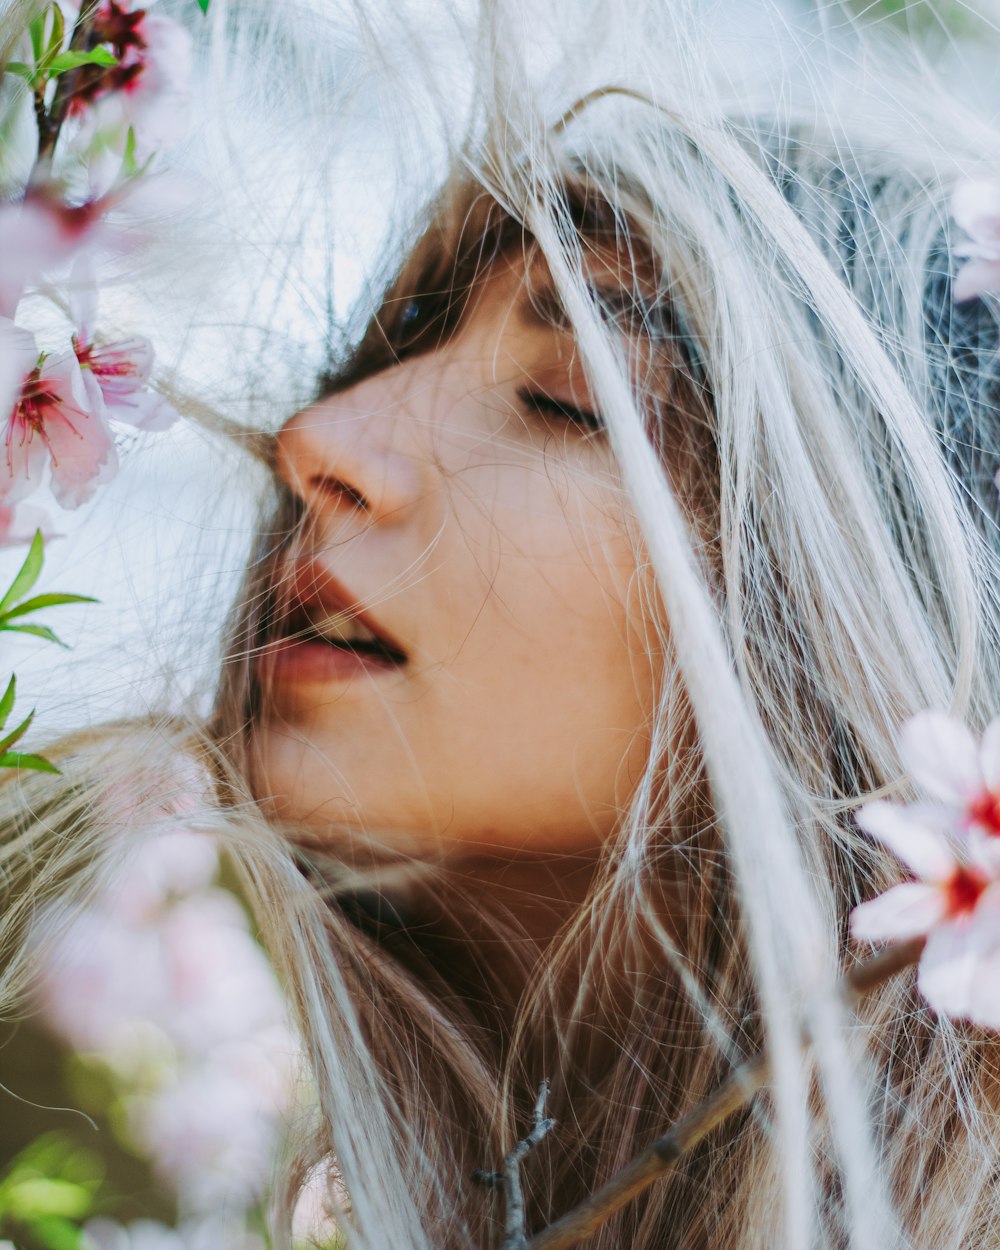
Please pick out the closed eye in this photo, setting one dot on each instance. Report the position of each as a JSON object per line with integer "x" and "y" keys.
{"x": 543, "y": 404}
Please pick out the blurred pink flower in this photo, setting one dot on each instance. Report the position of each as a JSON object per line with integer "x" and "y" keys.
{"x": 961, "y": 775}
{"x": 42, "y": 232}
{"x": 206, "y": 1234}
{"x": 148, "y": 90}
{"x": 18, "y": 356}
{"x": 116, "y": 374}
{"x": 954, "y": 903}
{"x": 52, "y": 422}
{"x": 161, "y": 977}
{"x": 164, "y": 865}
{"x": 975, "y": 206}
{"x": 209, "y": 1135}
{"x": 18, "y": 524}
{"x": 950, "y": 845}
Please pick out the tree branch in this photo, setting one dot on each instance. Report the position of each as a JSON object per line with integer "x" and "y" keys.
{"x": 509, "y": 1179}
{"x": 734, "y": 1094}
{"x": 50, "y": 121}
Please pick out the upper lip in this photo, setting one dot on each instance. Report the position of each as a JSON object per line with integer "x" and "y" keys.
{"x": 313, "y": 593}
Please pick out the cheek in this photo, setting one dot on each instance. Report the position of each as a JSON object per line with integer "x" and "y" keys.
{"x": 553, "y": 662}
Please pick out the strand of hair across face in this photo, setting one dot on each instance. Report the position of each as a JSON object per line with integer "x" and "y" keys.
{"x": 734, "y": 1094}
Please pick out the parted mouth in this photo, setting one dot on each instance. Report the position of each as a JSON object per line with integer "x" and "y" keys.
{"x": 319, "y": 609}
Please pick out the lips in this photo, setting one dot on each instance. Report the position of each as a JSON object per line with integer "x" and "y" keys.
{"x": 322, "y": 632}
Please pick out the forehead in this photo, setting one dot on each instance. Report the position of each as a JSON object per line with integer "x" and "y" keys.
{"x": 517, "y": 291}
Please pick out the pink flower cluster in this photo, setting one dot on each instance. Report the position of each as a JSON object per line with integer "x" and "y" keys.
{"x": 57, "y": 408}
{"x": 950, "y": 842}
{"x": 148, "y": 90}
{"x": 159, "y": 979}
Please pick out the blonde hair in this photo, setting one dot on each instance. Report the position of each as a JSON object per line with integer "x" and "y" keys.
{"x": 809, "y": 453}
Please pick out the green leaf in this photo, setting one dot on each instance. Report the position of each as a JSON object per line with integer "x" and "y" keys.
{"x": 21, "y": 759}
{"x": 203, "y": 5}
{"x": 129, "y": 164}
{"x": 74, "y": 59}
{"x": 21, "y": 70}
{"x": 16, "y": 734}
{"x": 57, "y": 1234}
{"x": 39, "y": 631}
{"x": 36, "y": 1197}
{"x": 43, "y": 601}
{"x": 57, "y": 35}
{"x": 37, "y": 31}
{"x": 7, "y": 701}
{"x": 27, "y": 574}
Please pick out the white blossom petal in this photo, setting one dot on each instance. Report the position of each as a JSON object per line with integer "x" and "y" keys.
{"x": 907, "y": 835}
{"x": 975, "y": 205}
{"x": 959, "y": 971}
{"x": 942, "y": 756}
{"x": 905, "y": 911}
{"x": 18, "y": 356}
{"x": 989, "y": 755}
{"x": 976, "y": 277}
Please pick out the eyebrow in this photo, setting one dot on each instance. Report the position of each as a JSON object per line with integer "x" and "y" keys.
{"x": 542, "y": 305}
{"x": 662, "y": 322}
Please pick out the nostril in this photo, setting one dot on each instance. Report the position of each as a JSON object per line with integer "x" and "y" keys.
{"x": 337, "y": 488}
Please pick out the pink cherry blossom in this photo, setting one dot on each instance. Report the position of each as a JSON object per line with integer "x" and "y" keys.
{"x": 18, "y": 356}
{"x": 199, "y": 1234}
{"x": 148, "y": 90}
{"x": 209, "y": 1135}
{"x": 975, "y": 206}
{"x": 961, "y": 775}
{"x": 159, "y": 976}
{"x": 116, "y": 374}
{"x": 42, "y": 232}
{"x": 52, "y": 423}
{"x": 954, "y": 902}
{"x": 950, "y": 845}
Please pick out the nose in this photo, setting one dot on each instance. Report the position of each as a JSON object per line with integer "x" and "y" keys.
{"x": 346, "y": 454}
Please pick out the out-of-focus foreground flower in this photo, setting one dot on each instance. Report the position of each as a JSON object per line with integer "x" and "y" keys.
{"x": 951, "y": 843}
{"x": 147, "y": 90}
{"x": 159, "y": 979}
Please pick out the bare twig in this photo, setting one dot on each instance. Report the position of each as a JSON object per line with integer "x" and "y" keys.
{"x": 509, "y": 1180}
{"x": 734, "y": 1094}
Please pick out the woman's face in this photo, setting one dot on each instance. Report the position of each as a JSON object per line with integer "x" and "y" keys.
{"x": 467, "y": 663}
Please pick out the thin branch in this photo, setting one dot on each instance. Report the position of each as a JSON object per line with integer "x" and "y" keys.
{"x": 509, "y": 1179}
{"x": 50, "y": 121}
{"x": 733, "y": 1095}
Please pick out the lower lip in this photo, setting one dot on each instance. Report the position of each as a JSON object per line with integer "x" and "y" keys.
{"x": 306, "y": 660}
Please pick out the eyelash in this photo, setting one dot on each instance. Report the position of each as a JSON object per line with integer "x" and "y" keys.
{"x": 546, "y": 406}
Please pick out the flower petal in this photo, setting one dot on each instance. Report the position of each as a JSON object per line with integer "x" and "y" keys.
{"x": 82, "y": 450}
{"x": 947, "y": 971}
{"x": 941, "y": 755}
{"x": 905, "y": 911}
{"x": 19, "y": 524}
{"x": 18, "y": 356}
{"x": 975, "y": 205}
{"x": 989, "y": 755}
{"x": 907, "y": 833}
{"x": 959, "y": 972}
{"x": 976, "y": 277}
{"x": 82, "y": 296}
{"x": 145, "y": 410}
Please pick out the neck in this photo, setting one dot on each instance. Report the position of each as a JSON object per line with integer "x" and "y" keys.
{"x": 480, "y": 927}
